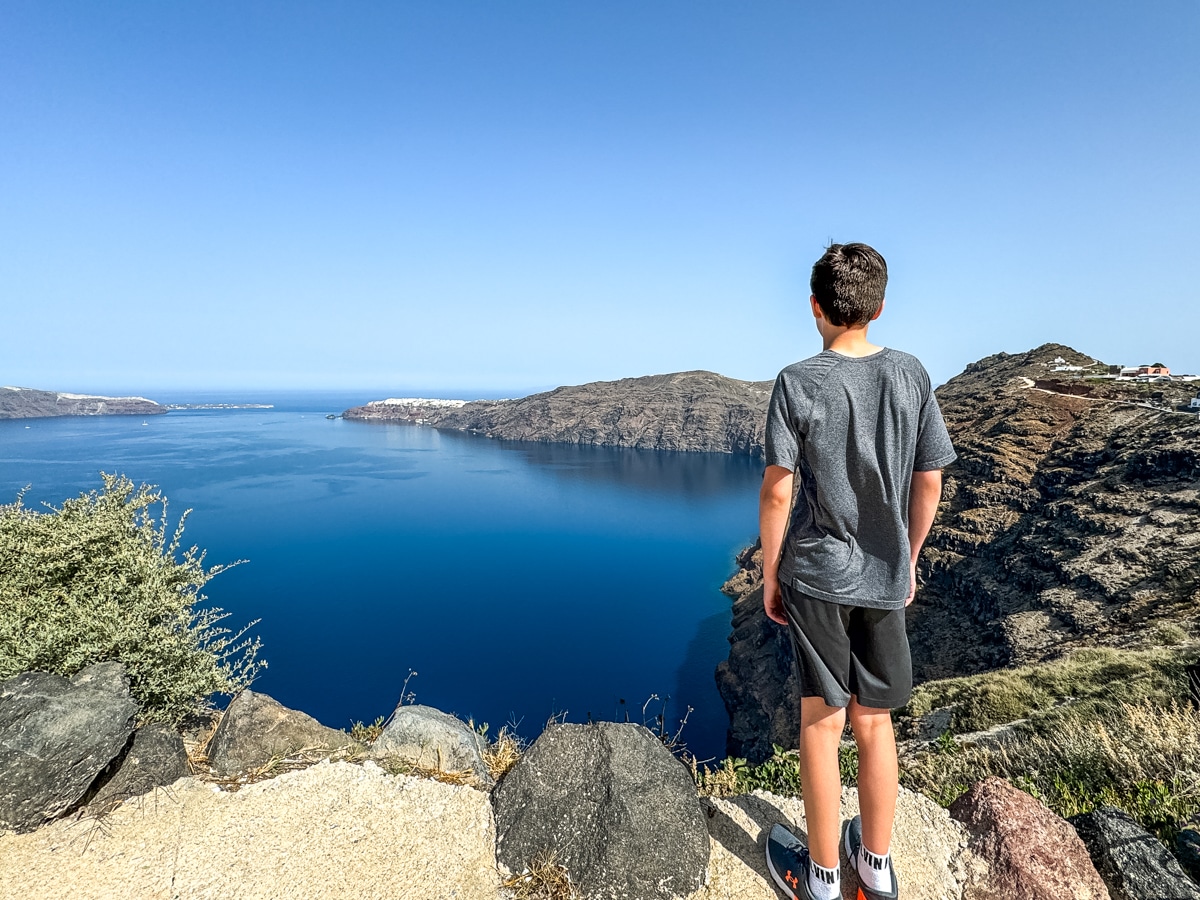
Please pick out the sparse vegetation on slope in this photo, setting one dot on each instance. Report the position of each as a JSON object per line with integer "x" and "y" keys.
{"x": 1100, "y": 726}
{"x": 1088, "y": 681}
{"x": 1142, "y": 757}
{"x": 104, "y": 577}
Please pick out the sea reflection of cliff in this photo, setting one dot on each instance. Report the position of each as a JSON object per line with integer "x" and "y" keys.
{"x": 652, "y": 471}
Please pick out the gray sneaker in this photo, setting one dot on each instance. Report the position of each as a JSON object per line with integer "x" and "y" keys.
{"x": 853, "y": 843}
{"x": 787, "y": 861}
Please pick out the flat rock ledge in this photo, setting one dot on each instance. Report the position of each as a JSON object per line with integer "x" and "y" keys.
{"x": 339, "y": 830}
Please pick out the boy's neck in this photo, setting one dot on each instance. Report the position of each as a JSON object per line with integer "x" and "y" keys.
{"x": 848, "y": 341}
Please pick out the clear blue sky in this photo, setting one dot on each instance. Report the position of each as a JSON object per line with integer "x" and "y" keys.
{"x": 511, "y": 195}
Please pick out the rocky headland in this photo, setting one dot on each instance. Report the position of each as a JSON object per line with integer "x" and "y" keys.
{"x": 27, "y": 403}
{"x": 690, "y": 411}
{"x": 1068, "y": 521}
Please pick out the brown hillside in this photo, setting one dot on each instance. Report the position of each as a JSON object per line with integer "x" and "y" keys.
{"x": 1070, "y": 519}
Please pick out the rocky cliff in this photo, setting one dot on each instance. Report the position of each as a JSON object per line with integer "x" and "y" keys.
{"x": 1069, "y": 519}
{"x": 695, "y": 411}
{"x": 27, "y": 403}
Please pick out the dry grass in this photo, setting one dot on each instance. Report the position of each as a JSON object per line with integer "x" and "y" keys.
{"x": 395, "y": 765}
{"x": 503, "y": 753}
{"x": 1091, "y": 679}
{"x": 196, "y": 741}
{"x": 280, "y": 764}
{"x": 544, "y": 879}
{"x": 1143, "y": 757}
{"x": 719, "y": 781}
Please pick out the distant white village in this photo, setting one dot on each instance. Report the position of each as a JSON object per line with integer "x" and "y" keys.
{"x": 1150, "y": 374}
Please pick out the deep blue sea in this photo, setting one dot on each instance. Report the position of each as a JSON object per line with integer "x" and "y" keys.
{"x": 519, "y": 581}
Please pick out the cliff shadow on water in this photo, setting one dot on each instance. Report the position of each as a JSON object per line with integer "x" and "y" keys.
{"x": 668, "y": 472}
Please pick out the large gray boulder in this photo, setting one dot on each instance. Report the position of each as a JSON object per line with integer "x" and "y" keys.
{"x": 433, "y": 739}
{"x": 257, "y": 728}
{"x": 156, "y": 757}
{"x": 612, "y": 805}
{"x": 1132, "y": 863}
{"x": 56, "y": 736}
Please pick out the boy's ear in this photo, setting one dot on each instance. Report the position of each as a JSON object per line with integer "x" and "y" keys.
{"x": 879, "y": 311}
{"x": 816, "y": 307}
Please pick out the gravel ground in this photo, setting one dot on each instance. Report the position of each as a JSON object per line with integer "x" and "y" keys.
{"x": 929, "y": 848}
{"x": 338, "y": 830}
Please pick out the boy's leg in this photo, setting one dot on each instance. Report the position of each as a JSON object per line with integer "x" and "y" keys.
{"x": 820, "y": 733}
{"x": 880, "y": 681}
{"x": 878, "y": 774}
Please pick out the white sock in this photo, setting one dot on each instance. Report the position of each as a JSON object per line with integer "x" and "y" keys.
{"x": 823, "y": 883}
{"x": 875, "y": 871}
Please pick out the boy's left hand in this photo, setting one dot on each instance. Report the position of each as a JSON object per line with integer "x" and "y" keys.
{"x": 912, "y": 583}
{"x": 773, "y": 601}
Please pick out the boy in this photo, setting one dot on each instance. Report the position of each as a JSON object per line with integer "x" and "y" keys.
{"x": 860, "y": 426}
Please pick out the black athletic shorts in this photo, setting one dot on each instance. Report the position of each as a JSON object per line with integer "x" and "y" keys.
{"x": 849, "y": 650}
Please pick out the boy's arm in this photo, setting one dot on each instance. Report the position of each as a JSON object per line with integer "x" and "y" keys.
{"x": 774, "y": 504}
{"x": 923, "y": 498}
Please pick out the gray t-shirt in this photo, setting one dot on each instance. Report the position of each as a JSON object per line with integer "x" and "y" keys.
{"x": 853, "y": 429}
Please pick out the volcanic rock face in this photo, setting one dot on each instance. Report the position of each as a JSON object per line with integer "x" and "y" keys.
{"x": 26, "y": 403}
{"x": 1068, "y": 520}
{"x": 697, "y": 411}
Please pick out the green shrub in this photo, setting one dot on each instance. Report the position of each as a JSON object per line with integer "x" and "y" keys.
{"x": 103, "y": 578}
{"x": 780, "y": 774}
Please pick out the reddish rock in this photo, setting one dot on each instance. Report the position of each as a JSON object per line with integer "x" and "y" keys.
{"x": 1033, "y": 854}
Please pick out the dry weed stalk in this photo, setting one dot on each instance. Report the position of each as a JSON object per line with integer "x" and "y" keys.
{"x": 196, "y": 747}
{"x": 503, "y": 754}
{"x": 395, "y": 765}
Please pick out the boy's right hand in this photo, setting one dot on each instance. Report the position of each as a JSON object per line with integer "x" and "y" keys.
{"x": 773, "y": 601}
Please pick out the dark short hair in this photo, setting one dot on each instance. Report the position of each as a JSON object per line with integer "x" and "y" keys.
{"x": 848, "y": 282}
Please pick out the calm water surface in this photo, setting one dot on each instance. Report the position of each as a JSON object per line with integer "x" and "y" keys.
{"x": 519, "y": 581}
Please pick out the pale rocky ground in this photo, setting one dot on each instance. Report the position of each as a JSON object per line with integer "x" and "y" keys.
{"x": 338, "y": 830}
